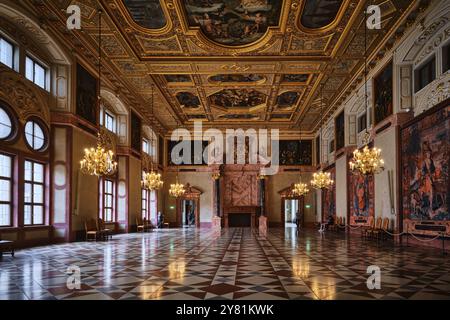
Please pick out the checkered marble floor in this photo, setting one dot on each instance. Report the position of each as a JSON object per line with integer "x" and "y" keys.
{"x": 233, "y": 264}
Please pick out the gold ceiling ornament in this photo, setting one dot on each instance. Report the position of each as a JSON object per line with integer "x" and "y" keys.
{"x": 367, "y": 161}
{"x": 322, "y": 180}
{"x": 97, "y": 161}
{"x": 300, "y": 189}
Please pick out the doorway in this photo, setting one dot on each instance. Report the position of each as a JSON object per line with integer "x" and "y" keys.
{"x": 290, "y": 213}
{"x": 188, "y": 213}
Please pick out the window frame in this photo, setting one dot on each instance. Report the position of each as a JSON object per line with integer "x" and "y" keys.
{"x": 144, "y": 204}
{"x": 109, "y": 114}
{"x": 44, "y": 129}
{"x": 10, "y": 179}
{"x": 153, "y": 205}
{"x": 32, "y": 204}
{"x": 14, "y": 123}
{"x": 146, "y": 142}
{"x": 446, "y": 57}
{"x": 13, "y": 53}
{"x": 430, "y": 63}
{"x": 362, "y": 127}
{"x": 40, "y": 64}
{"x": 104, "y": 195}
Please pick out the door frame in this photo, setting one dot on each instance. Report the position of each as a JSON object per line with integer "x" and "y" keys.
{"x": 287, "y": 194}
{"x": 192, "y": 193}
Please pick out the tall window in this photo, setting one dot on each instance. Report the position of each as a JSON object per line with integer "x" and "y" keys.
{"x": 34, "y": 193}
{"x": 144, "y": 208}
{"x": 146, "y": 146}
{"x": 108, "y": 120}
{"x": 153, "y": 206}
{"x": 34, "y": 135}
{"x": 5, "y": 190}
{"x": 6, "y": 125}
{"x": 108, "y": 200}
{"x": 36, "y": 72}
{"x": 362, "y": 123}
{"x": 6, "y": 53}
{"x": 331, "y": 146}
{"x": 446, "y": 58}
{"x": 425, "y": 74}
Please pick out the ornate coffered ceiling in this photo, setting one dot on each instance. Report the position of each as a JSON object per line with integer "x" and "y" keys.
{"x": 232, "y": 62}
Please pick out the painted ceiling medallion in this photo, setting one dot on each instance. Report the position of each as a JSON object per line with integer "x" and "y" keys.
{"x": 233, "y": 22}
{"x": 318, "y": 14}
{"x": 188, "y": 100}
{"x": 237, "y": 78}
{"x": 146, "y": 13}
{"x": 287, "y": 99}
{"x": 238, "y": 98}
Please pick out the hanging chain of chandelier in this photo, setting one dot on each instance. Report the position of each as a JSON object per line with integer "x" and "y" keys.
{"x": 367, "y": 161}
{"x": 98, "y": 161}
{"x": 152, "y": 180}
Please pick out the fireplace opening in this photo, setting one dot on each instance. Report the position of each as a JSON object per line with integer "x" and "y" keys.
{"x": 239, "y": 220}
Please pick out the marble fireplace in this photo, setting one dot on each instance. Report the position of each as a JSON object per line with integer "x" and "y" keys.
{"x": 241, "y": 194}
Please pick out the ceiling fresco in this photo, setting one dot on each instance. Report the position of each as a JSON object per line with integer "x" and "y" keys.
{"x": 238, "y": 98}
{"x": 320, "y": 13}
{"x": 230, "y": 62}
{"x": 232, "y": 22}
{"x": 146, "y": 13}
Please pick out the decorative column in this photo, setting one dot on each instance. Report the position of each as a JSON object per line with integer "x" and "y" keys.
{"x": 262, "y": 197}
{"x": 217, "y": 220}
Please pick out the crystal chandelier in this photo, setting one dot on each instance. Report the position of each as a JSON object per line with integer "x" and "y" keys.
{"x": 368, "y": 161}
{"x": 300, "y": 189}
{"x": 98, "y": 162}
{"x": 322, "y": 180}
{"x": 152, "y": 180}
{"x": 177, "y": 189}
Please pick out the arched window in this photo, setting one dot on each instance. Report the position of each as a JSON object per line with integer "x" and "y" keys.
{"x": 6, "y": 124}
{"x": 34, "y": 135}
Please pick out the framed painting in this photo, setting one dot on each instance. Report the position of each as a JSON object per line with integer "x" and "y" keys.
{"x": 136, "y": 135}
{"x": 339, "y": 127}
{"x": 295, "y": 152}
{"x": 87, "y": 105}
{"x": 383, "y": 94}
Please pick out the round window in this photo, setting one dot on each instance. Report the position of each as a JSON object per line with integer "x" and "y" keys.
{"x": 34, "y": 135}
{"x": 6, "y": 125}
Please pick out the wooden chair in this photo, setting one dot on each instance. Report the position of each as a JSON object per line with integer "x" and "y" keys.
{"x": 380, "y": 233}
{"x": 376, "y": 229}
{"x": 91, "y": 229}
{"x": 341, "y": 225}
{"x": 366, "y": 230}
{"x": 105, "y": 233}
{"x": 140, "y": 224}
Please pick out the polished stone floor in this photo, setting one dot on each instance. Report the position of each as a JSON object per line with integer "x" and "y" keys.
{"x": 235, "y": 264}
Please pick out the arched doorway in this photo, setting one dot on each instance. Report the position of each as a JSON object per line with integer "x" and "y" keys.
{"x": 188, "y": 207}
{"x": 290, "y": 204}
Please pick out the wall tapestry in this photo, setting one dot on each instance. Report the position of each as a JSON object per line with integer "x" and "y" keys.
{"x": 361, "y": 190}
{"x": 329, "y": 198}
{"x": 424, "y": 167}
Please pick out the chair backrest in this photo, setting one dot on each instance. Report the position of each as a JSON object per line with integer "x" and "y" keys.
{"x": 378, "y": 223}
{"x": 101, "y": 224}
{"x": 91, "y": 225}
{"x": 139, "y": 221}
{"x": 386, "y": 224}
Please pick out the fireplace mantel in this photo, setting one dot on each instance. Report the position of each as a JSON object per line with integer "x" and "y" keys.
{"x": 251, "y": 210}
